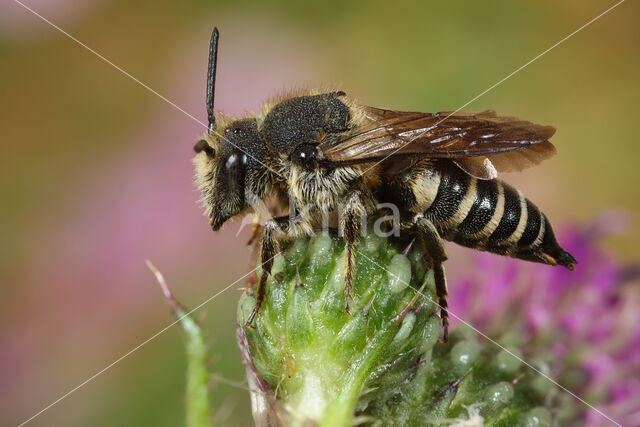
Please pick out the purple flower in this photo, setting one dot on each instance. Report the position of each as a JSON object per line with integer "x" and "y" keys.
{"x": 584, "y": 323}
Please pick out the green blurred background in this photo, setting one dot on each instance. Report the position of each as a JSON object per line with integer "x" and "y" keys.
{"x": 96, "y": 170}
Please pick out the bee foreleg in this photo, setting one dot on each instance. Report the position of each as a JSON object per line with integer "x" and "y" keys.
{"x": 438, "y": 255}
{"x": 268, "y": 250}
{"x": 255, "y": 230}
{"x": 351, "y": 223}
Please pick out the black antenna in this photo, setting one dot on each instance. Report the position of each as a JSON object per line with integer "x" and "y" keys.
{"x": 211, "y": 78}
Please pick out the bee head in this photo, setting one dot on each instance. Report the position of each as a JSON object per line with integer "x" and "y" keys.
{"x": 228, "y": 165}
{"x": 229, "y": 159}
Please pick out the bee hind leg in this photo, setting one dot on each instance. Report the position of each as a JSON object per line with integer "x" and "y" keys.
{"x": 438, "y": 255}
{"x": 268, "y": 250}
{"x": 350, "y": 225}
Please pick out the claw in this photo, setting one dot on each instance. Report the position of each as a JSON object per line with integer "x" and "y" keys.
{"x": 249, "y": 322}
{"x": 445, "y": 331}
{"x": 444, "y": 314}
{"x": 347, "y": 308}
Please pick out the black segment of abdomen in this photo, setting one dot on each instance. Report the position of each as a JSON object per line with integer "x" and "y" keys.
{"x": 532, "y": 229}
{"x": 451, "y": 191}
{"x": 300, "y": 120}
{"x": 510, "y": 217}
{"x": 398, "y": 193}
{"x": 549, "y": 246}
{"x": 482, "y": 209}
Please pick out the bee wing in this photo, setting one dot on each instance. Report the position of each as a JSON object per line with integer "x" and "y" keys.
{"x": 480, "y": 143}
{"x": 487, "y": 167}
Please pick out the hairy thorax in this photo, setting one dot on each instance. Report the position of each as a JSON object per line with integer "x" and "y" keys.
{"x": 321, "y": 193}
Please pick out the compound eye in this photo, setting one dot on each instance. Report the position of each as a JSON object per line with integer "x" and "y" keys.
{"x": 236, "y": 160}
{"x": 203, "y": 145}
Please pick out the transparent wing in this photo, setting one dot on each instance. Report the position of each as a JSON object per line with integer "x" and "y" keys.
{"x": 482, "y": 143}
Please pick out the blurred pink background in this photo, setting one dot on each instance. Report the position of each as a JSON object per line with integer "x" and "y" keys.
{"x": 97, "y": 173}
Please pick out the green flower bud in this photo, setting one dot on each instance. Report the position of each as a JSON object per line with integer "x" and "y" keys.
{"x": 310, "y": 362}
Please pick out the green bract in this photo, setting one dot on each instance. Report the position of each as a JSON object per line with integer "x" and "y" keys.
{"x": 308, "y": 361}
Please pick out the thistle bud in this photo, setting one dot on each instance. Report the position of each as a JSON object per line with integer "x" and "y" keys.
{"x": 309, "y": 362}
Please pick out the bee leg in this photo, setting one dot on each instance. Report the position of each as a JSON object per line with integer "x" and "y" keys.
{"x": 350, "y": 224}
{"x": 438, "y": 255}
{"x": 255, "y": 230}
{"x": 268, "y": 250}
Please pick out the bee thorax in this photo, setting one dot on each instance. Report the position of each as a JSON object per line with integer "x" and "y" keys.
{"x": 321, "y": 191}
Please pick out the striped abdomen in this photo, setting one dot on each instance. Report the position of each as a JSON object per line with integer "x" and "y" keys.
{"x": 493, "y": 216}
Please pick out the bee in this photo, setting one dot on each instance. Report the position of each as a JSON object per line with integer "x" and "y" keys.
{"x": 321, "y": 152}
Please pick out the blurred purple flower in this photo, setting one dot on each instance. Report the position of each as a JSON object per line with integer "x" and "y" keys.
{"x": 585, "y": 321}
